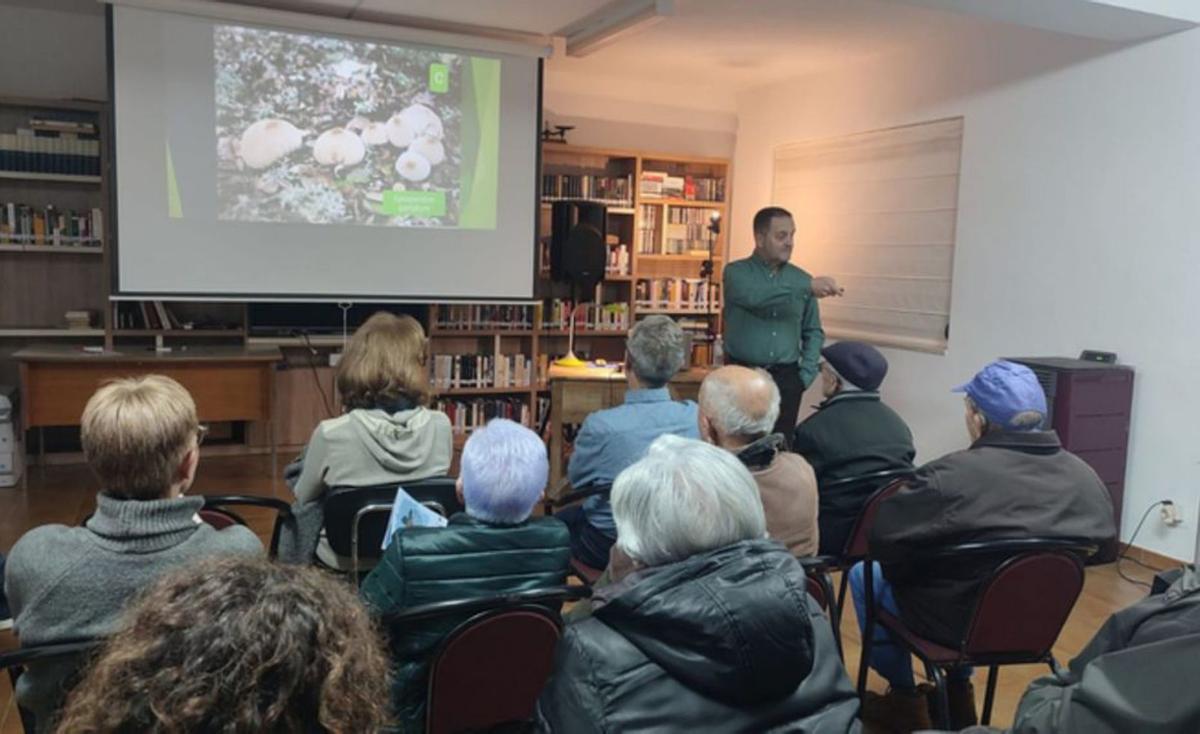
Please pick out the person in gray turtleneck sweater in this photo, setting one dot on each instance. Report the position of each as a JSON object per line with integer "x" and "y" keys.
{"x": 141, "y": 437}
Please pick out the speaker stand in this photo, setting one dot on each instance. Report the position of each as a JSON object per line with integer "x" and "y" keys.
{"x": 571, "y": 360}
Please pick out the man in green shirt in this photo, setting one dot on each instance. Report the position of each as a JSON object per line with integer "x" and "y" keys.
{"x": 771, "y": 316}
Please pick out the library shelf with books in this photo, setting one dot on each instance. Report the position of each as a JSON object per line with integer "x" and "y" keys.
{"x": 664, "y": 226}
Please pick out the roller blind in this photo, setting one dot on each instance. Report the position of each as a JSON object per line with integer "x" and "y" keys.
{"x": 877, "y": 210}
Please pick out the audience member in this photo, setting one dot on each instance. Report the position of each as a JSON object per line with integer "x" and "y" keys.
{"x": 713, "y": 630}
{"x": 738, "y": 409}
{"x": 610, "y": 440}
{"x": 387, "y": 433}
{"x": 1014, "y": 481}
{"x": 142, "y": 440}
{"x": 237, "y": 646}
{"x": 1134, "y": 676}
{"x": 852, "y": 433}
{"x": 494, "y": 548}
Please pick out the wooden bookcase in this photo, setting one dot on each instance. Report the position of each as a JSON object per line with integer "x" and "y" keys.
{"x": 40, "y": 282}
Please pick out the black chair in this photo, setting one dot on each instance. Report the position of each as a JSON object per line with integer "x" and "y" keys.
{"x": 1017, "y": 617}
{"x": 816, "y": 571}
{"x": 498, "y": 659}
{"x": 356, "y": 518}
{"x": 18, "y": 661}
{"x": 565, "y": 497}
{"x": 217, "y": 512}
{"x": 855, "y": 548}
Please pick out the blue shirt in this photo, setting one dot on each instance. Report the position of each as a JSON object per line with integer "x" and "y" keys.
{"x": 612, "y": 439}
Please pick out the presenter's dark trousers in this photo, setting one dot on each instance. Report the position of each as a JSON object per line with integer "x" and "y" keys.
{"x": 791, "y": 389}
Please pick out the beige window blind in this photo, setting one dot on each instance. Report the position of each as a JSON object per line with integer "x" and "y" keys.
{"x": 877, "y": 211}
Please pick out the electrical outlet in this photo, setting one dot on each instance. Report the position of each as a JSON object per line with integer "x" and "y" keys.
{"x": 1170, "y": 514}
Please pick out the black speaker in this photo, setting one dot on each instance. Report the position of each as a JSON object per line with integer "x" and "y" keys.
{"x": 577, "y": 250}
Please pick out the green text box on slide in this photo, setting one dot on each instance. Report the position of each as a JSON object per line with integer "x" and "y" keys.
{"x": 414, "y": 203}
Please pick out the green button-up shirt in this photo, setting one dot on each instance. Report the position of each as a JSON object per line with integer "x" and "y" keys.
{"x": 771, "y": 316}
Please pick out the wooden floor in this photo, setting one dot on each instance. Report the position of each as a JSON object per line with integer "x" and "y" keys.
{"x": 66, "y": 494}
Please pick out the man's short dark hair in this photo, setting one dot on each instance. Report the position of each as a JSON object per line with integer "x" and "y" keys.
{"x": 762, "y": 220}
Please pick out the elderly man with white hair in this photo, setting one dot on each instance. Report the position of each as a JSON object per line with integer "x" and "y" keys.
{"x": 493, "y": 548}
{"x": 713, "y": 630}
{"x": 738, "y": 410}
{"x": 610, "y": 440}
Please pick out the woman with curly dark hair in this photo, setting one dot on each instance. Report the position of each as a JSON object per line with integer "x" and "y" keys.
{"x": 237, "y": 646}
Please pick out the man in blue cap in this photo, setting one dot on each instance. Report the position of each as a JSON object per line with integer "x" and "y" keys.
{"x": 1014, "y": 481}
{"x": 852, "y": 434}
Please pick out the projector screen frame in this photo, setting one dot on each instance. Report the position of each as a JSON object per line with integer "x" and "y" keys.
{"x": 313, "y": 24}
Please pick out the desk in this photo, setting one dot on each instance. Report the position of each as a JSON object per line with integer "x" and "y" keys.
{"x": 227, "y": 383}
{"x": 575, "y": 392}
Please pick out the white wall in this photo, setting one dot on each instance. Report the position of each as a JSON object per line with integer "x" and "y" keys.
{"x": 51, "y": 53}
{"x": 1078, "y": 222}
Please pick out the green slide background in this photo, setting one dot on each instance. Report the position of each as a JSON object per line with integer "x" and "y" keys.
{"x": 480, "y": 181}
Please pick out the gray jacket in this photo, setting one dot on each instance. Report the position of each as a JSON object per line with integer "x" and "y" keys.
{"x": 362, "y": 448}
{"x": 71, "y": 583}
{"x": 1138, "y": 674}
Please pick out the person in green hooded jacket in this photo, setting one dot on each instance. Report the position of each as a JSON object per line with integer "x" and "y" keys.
{"x": 493, "y": 548}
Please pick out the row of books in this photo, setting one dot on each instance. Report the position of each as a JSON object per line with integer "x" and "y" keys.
{"x": 618, "y": 260}
{"x": 679, "y": 294}
{"x": 556, "y": 315}
{"x": 468, "y": 414}
{"x": 648, "y": 229}
{"x": 49, "y": 225}
{"x": 144, "y": 315}
{"x": 688, "y": 231}
{"x": 465, "y": 317}
{"x": 449, "y": 371}
{"x": 27, "y": 152}
{"x": 660, "y": 184}
{"x": 612, "y": 190}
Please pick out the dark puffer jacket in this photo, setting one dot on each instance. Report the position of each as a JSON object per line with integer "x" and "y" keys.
{"x": 724, "y": 641}
{"x": 468, "y": 559}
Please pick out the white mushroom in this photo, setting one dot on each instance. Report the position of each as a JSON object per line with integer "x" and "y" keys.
{"x": 423, "y": 121}
{"x": 339, "y": 147}
{"x": 375, "y": 133}
{"x": 431, "y": 148}
{"x": 399, "y": 131}
{"x": 358, "y": 122}
{"x": 413, "y": 166}
{"x": 266, "y": 141}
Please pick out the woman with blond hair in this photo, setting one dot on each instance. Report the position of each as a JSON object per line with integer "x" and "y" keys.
{"x": 237, "y": 646}
{"x": 386, "y": 434}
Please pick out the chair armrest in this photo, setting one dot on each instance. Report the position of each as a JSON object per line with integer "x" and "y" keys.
{"x": 580, "y": 494}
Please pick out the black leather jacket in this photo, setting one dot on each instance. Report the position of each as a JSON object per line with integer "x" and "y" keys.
{"x": 724, "y": 641}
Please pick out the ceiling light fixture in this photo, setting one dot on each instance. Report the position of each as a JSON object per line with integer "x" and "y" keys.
{"x": 614, "y": 22}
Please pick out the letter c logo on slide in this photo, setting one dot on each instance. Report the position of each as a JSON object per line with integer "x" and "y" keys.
{"x": 439, "y": 78}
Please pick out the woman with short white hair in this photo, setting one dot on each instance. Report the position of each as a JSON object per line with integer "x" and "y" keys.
{"x": 713, "y": 630}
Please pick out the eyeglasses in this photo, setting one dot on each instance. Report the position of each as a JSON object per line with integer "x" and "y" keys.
{"x": 201, "y": 432}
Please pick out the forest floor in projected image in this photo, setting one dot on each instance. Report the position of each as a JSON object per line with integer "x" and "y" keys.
{"x": 330, "y": 131}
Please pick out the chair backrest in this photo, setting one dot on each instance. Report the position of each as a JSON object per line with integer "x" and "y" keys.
{"x": 216, "y": 512}
{"x": 344, "y": 511}
{"x": 857, "y": 545}
{"x": 1024, "y": 605}
{"x": 490, "y": 670}
{"x": 817, "y": 590}
{"x": 876, "y": 478}
{"x": 17, "y": 661}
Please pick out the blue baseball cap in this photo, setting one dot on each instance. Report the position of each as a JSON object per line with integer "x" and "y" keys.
{"x": 1003, "y": 389}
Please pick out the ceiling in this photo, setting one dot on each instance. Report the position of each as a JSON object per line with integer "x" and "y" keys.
{"x": 707, "y": 48}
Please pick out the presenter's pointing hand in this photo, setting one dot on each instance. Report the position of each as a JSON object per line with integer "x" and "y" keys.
{"x": 824, "y": 285}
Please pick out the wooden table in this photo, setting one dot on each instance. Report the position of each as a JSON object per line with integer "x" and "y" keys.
{"x": 576, "y": 392}
{"x": 227, "y": 383}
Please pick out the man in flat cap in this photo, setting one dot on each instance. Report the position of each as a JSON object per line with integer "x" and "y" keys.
{"x": 852, "y": 433}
